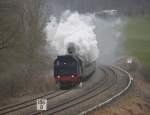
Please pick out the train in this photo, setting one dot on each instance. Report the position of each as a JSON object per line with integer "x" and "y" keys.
{"x": 70, "y": 70}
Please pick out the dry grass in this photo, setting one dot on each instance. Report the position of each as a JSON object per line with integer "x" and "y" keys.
{"x": 129, "y": 105}
{"x": 133, "y": 103}
{"x": 40, "y": 86}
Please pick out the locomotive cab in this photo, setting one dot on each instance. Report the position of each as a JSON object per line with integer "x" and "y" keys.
{"x": 67, "y": 70}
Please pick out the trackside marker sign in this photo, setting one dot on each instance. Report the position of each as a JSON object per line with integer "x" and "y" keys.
{"x": 41, "y": 104}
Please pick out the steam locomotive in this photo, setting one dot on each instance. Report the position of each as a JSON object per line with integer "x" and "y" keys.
{"x": 70, "y": 70}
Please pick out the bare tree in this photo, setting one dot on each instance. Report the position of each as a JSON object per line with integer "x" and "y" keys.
{"x": 22, "y": 40}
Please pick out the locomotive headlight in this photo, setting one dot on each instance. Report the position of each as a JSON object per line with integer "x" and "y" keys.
{"x": 58, "y": 76}
{"x": 72, "y": 76}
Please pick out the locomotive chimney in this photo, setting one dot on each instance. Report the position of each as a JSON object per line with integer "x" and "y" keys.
{"x": 71, "y": 48}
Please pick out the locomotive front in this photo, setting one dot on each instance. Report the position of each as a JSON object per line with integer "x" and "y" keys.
{"x": 70, "y": 70}
{"x": 67, "y": 71}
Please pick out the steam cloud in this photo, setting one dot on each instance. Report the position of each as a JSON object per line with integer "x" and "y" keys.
{"x": 110, "y": 33}
{"x": 75, "y": 28}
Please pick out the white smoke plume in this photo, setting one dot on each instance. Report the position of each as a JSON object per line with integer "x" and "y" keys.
{"x": 76, "y": 28}
{"x": 110, "y": 36}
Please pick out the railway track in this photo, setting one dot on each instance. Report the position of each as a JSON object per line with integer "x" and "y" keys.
{"x": 18, "y": 106}
{"x": 109, "y": 79}
{"x": 97, "y": 89}
{"x": 117, "y": 94}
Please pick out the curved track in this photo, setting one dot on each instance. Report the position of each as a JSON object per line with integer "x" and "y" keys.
{"x": 22, "y": 105}
{"x": 109, "y": 80}
{"x": 109, "y": 99}
{"x": 76, "y": 101}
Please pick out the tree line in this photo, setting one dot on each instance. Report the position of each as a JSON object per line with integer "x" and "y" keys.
{"x": 24, "y": 63}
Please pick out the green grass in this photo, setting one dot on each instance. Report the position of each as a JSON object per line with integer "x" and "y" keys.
{"x": 138, "y": 38}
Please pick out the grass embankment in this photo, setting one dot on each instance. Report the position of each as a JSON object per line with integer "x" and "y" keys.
{"x": 138, "y": 38}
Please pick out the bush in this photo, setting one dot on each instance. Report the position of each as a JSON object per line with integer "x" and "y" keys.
{"x": 145, "y": 71}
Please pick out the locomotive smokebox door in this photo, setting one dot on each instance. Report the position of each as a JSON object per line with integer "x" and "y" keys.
{"x": 71, "y": 48}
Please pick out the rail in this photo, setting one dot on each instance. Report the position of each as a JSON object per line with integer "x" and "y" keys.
{"x": 115, "y": 96}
